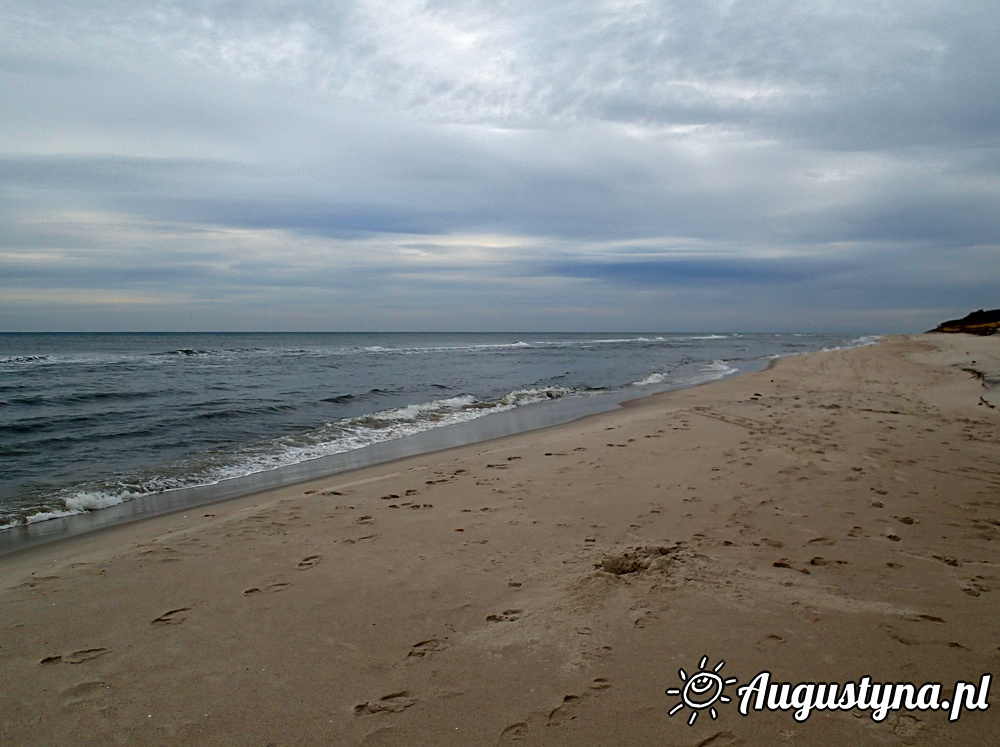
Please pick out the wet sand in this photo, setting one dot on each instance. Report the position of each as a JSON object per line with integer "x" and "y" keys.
{"x": 833, "y": 517}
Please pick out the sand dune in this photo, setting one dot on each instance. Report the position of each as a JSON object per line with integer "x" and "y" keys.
{"x": 833, "y": 517}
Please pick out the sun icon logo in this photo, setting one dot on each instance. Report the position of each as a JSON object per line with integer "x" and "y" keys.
{"x": 701, "y": 690}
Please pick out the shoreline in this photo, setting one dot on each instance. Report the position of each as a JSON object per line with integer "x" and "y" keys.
{"x": 522, "y": 419}
{"x": 831, "y": 517}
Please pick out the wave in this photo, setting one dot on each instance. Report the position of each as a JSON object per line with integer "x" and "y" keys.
{"x": 472, "y": 347}
{"x": 717, "y": 369}
{"x": 35, "y": 400}
{"x": 330, "y": 438}
{"x": 653, "y": 378}
{"x": 341, "y": 399}
{"x": 24, "y": 359}
{"x": 240, "y": 412}
{"x": 178, "y": 355}
{"x": 864, "y": 340}
{"x": 44, "y": 516}
{"x": 201, "y": 352}
{"x": 485, "y": 347}
{"x": 857, "y": 342}
{"x": 713, "y": 371}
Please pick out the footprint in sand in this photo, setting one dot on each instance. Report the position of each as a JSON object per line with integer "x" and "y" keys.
{"x": 821, "y": 541}
{"x": 84, "y": 691}
{"x": 720, "y": 739}
{"x": 645, "y": 619}
{"x": 975, "y": 587}
{"x": 907, "y": 726}
{"x": 768, "y": 641}
{"x": 34, "y": 581}
{"x": 505, "y": 616}
{"x": 77, "y": 657}
{"x": 366, "y": 538}
{"x": 308, "y": 562}
{"x": 566, "y": 712}
{"x": 392, "y": 703}
{"x": 365, "y": 520}
{"x": 424, "y": 649}
{"x": 897, "y": 636}
{"x": 513, "y": 733}
{"x": 269, "y": 589}
{"x": 172, "y": 617}
{"x": 924, "y": 618}
{"x": 785, "y": 563}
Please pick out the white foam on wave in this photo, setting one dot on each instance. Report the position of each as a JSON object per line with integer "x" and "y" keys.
{"x": 719, "y": 367}
{"x": 713, "y": 371}
{"x": 47, "y": 515}
{"x": 865, "y": 340}
{"x": 528, "y": 396}
{"x": 857, "y": 342}
{"x": 473, "y": 347}
{"x": 520, "y": 344}
{"x": 80, "y": 503}
{"x": 412, "y": 412}
{"x": 653, "y": 378}
{"x": 379, "y": 427}
{"x": 626, "y": 339}
{"x": 85, "y": 501}
{"x": 332, "y": 438}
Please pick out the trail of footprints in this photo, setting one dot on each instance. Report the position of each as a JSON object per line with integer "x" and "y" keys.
{"x": 562, "y": 714}
{"x": 177, "y": 616}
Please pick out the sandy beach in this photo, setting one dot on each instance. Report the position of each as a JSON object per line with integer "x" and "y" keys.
{"x": 831, "y": 518}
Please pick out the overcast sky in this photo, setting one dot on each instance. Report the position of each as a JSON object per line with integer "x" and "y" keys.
{"x": 483, "y": 165}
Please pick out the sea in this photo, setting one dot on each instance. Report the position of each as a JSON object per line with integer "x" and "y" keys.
{"x": 93, "y": 421}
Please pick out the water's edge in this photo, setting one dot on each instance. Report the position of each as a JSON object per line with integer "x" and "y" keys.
{"x": 530, "y": 417}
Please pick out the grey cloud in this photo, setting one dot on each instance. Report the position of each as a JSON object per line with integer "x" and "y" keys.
{"x": 802, "y": 146}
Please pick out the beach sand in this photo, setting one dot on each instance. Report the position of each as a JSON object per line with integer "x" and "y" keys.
{"x": 833, "y": 517}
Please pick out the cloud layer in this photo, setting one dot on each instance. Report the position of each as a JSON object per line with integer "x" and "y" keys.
{"x": 483, "y": 165}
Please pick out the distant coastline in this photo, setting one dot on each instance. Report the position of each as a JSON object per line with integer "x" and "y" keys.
{"x": 977, "y": 323}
